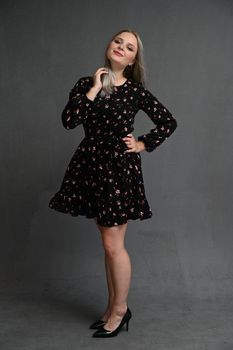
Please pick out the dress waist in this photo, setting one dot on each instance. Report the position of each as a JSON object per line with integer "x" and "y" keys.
{"x": 107, "y": 139}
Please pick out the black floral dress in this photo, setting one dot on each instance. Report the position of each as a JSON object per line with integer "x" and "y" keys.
{"x": 101, "y": 181}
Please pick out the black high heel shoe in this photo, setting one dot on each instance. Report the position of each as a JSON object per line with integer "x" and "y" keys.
{"x": 105, "y": 333}
{"x": 97, "y": 324}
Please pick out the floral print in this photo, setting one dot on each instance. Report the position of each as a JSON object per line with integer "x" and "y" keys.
{"x": 101, "y": 181}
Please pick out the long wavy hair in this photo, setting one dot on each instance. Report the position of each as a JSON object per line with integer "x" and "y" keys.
{"x": 136, "y": 71}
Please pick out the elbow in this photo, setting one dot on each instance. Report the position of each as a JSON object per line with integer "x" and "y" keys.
{"x": 67, "y": 120}
{"x": 171, "y": 127}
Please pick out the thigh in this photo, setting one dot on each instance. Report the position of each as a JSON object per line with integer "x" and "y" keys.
{"x": 113, "y": 235}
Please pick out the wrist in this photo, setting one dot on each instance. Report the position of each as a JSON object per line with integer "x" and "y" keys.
{"x": 91, "y": 94}
{"x": 94, "y": 90}
{"x": 140, "y": 146}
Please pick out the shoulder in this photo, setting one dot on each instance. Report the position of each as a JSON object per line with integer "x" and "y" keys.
{"x": 137, "y": 86}
{"x": 82, "y": 84}
{"x": 134, "y": 84}
{"x": 84, "y": 80}
{"x": 140, "y": 90}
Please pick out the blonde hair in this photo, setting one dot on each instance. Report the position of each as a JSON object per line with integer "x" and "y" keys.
{"x": 136, "y": 71}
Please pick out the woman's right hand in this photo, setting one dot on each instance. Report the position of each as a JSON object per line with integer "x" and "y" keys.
{"x": 97, "y": 83}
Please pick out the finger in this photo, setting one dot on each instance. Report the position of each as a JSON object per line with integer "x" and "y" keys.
{"x": 130, "y": 151}
{"x": 127, "y": 138}
{"x": 131, "y": 147}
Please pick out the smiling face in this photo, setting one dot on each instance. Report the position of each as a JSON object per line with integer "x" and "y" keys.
{"x": 123, "y": 49}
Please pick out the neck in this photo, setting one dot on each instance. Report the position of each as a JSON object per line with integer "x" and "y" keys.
{"x": 118, "y": 71}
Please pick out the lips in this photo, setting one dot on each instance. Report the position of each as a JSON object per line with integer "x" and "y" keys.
{"x": 117, "y": 53}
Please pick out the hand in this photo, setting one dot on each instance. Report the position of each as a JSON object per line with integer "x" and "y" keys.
{"x": 97, "y": 83}
{"x": 132, "y": 144}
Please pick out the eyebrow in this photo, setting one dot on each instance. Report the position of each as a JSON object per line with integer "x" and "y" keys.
{"x": 123, "y": 39}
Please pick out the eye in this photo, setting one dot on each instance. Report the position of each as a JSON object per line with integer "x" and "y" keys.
{"x": 118, "y": 41}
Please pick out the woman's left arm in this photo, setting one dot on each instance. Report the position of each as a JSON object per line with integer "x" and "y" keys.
{"x": 165, "y": 123}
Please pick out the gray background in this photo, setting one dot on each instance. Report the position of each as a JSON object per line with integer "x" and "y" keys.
{"x": 182, "y": 256}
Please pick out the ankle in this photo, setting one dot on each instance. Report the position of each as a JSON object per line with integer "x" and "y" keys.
{"x": 110, "y": 305}
{"x": 119, "y": 309}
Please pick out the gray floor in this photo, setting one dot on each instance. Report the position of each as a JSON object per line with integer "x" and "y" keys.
{"x": 48, "y": 315}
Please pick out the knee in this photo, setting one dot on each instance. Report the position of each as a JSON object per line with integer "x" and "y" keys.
{"x": 111, "y": 249}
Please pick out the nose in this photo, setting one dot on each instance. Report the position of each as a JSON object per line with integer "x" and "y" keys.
{"x": 120, "y": 47}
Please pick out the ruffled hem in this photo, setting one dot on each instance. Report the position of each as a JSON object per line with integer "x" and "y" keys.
{"x": 107, "y": 220}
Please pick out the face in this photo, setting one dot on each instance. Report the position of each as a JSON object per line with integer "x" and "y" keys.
{"x": 123, "y": 49}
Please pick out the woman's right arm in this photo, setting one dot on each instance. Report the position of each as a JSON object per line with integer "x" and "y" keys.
{"x": 79, "y": 105}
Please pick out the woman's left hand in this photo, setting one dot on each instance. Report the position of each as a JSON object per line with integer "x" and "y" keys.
{"x": 132, "y": 144}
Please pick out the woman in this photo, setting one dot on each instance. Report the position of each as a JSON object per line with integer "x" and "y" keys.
{"x": 104, "y": 178}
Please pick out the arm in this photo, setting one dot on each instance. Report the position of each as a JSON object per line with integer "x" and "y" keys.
{"x": 165, "y": 123}
{"x": 78, "y": 105}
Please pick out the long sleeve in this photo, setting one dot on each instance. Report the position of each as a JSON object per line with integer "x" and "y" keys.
{"x": 78, "y": 105}
{"x": 165, "y": 123}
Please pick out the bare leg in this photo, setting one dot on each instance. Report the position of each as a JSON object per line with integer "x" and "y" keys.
{"x": 109, "y": 284}
{"x": 110, "y": 290}
{"x": 119, "y": 265}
